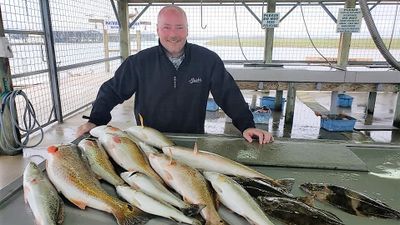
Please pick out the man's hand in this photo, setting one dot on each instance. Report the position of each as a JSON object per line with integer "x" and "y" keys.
{"x": 86, "y": 127}
{"x": 263, "y": 136}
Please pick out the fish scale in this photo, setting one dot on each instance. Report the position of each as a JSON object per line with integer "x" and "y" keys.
{"x": 189, "y": 183}
{"x": 72, "y": 177}
{"x": 46, "y": 205}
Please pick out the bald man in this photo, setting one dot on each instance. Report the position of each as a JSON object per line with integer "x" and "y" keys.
{"x": 172, "y": 82}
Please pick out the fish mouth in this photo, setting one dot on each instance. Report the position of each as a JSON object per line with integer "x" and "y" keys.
{"x": 133, "y": 173}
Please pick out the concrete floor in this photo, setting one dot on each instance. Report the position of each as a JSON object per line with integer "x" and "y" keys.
{"x": 306, "y": 126}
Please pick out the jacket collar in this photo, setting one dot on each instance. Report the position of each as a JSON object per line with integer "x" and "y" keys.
{"x": 163, "y": 51}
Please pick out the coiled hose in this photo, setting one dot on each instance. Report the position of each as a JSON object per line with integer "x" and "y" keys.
{"x": 376, "y": 36}
{"x": 10, "y": 143}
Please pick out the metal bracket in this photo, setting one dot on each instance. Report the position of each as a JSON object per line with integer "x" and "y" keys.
{"x": 5, "y": 48}
{"x": 260, "y": 85}
{"x": 318, "y": 86}
{"x": 379, "y": 87}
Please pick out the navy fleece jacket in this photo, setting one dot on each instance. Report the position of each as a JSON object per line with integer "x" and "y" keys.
{"x": 172, "y": 100}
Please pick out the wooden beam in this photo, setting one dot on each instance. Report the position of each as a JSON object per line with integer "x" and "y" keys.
{"x": 231, "y": 1}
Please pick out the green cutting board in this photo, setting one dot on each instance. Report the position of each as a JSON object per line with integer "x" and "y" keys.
{"x": 285, "y": 154}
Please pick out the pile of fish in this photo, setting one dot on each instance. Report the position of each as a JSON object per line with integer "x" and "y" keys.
{"x": 178, "y": 183}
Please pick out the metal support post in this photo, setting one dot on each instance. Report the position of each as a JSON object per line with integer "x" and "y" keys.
{"x": 124, "y": 42}
{"x": 371, "y": 103}
{"x": 52, "y": 64}
{"x": 291, "y": 99}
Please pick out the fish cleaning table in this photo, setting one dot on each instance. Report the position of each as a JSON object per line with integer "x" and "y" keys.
{"x": 371, "y": 169}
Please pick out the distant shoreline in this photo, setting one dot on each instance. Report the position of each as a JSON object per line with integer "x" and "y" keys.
{"x": 363, "y": 43}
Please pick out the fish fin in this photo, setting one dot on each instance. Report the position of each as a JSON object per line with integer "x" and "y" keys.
{"x": 61, "y": 212}
{"x": 80, "y": 204}
{"x": 193, "y": 209}
{"x": 308, "y": 200}
{"x": 287, "y": 183}
{"x": 170, "y": 156}
{"x": 130, "y": 215}
{"x": 141, "y": 120}
{"x": 168, "y": 176}
{"x": 195, "y": 148}
{"x": 38, "y": 221}
{"x": 26, "y": 192}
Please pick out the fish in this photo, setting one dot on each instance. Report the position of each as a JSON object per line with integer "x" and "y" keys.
{"x": 99, "y": 161}
{"x": 154, "y": 189}
{"x": 236, "y": 198}
{"x": 208, "y": 161}
{"x": 189, "y": 183}
{"x": 153, "y": 206}
{"x": 72, "y": 177}
{"x": 149, "y": 135}
{"x": 43, "y": 199}
{"x": 147, "y": 149}
{"x": 292, "y": 211}
{"x": 124, "y": 151}
{"x": 350, "y": 201}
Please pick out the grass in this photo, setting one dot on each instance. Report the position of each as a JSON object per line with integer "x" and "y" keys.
{"x": 303, "y": 43}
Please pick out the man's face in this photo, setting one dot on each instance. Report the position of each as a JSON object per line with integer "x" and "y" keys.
{"x": 172, "y": 31}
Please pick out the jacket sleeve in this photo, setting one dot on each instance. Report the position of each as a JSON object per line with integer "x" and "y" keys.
{"x": 228, "y": 96}
{"x": 114, "y": 91}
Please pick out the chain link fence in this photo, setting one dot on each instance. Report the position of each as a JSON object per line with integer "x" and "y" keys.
{"x": 86, "y": 41}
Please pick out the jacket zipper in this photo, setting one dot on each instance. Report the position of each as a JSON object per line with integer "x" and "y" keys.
{"x": 175, "y": 82}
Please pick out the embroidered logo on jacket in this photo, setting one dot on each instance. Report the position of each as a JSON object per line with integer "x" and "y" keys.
{"x": 195, "y": 80}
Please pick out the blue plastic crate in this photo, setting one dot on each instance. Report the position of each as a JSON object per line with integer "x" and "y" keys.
{"x": 211, "y": 105}
{"x": 261, "y": 116}
{"x": 344, "y": 100}
{"x": 269, "y": 102}
{"x": 337, "y": 122}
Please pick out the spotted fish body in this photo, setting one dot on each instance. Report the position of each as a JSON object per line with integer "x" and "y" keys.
{"x": 47, "y": 207}
{"x": 124, "y": 151}
{"x": 99, "y": 161}
{"x": 208, "y": 161}
{"x": 292, "y": 211}
{"x": 71, "y": 176}
{"x": 350, "y": 201}
{"x": 189, "y": 183}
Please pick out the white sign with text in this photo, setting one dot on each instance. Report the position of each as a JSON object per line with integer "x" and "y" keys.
{"x": 270, "y": 20}
{"x": 349, "y": 20}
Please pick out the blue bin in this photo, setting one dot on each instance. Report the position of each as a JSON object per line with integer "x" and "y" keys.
{"x": 344, "y": 100}
{"x": 337, "y": 122}
{"x": 211, "y": 105}
{"x": 261, "y": 116}
{"x": 269, "y": 102}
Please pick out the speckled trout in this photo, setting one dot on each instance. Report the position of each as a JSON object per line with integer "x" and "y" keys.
{"x": 154, "y": 189}
{"x": 71, "y": 176}
{"x": 236, "y": 198}
{"x": 208, "y": 161}
{"x": 350, "y": 201}
{"x": 47, "y": 207}
{"x": 189, "y": 183}
{"x": 99, "y": 161}
{"x": 153, "y": 206}
{"x": 124, "y": 151}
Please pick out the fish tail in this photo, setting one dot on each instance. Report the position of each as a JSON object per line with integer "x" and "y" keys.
{"x": 130, "y": 215}
{"x": 286, "y": 183}
{"x": 193, "y": 209}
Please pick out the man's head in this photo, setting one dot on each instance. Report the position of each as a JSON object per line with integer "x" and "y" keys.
{"x": 172, "y": 29}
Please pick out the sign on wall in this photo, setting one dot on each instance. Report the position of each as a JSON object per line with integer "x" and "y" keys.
{"x": 270, "y": 20}
{"x": 349, "y": 20}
